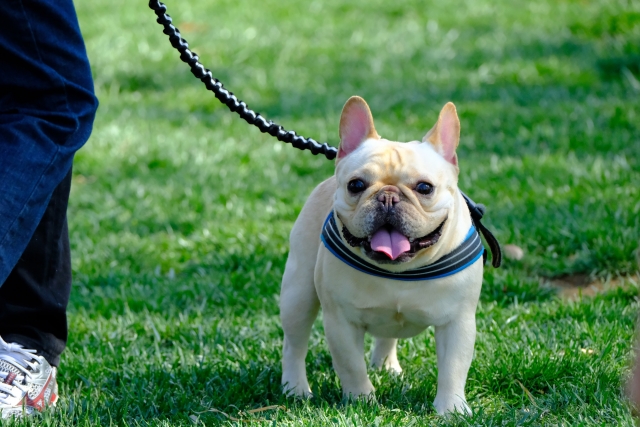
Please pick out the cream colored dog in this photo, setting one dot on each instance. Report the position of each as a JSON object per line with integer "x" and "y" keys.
{"x": 399, "y": 208}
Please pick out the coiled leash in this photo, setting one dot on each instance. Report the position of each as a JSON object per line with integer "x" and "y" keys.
{"x": 269, "y": 126}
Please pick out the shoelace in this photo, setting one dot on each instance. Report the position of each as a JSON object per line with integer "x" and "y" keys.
{"x": 23, "y": 360}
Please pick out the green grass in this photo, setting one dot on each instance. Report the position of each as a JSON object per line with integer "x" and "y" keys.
{"x": 180, "y": 212}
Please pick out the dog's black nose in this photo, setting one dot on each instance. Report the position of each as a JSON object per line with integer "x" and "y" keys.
{"x": 389, "y": 195}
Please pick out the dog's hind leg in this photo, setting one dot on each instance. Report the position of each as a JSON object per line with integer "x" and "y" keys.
{"x": 385, "y": 355}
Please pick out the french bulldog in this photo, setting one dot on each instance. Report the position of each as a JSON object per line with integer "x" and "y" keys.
{"x": 398, "y": 208}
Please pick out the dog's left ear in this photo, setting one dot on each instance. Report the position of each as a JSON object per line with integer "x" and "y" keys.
{"x": 356, "y": 125}
{"x": 445, "y": 135}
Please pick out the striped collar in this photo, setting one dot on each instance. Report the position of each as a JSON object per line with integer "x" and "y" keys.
{"x": 460, "y": 258}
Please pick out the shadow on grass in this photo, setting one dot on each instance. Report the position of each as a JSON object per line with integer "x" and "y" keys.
{"x": 216, "y": 393}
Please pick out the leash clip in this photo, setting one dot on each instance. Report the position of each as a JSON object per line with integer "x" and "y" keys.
{"x": 477, "y": 211}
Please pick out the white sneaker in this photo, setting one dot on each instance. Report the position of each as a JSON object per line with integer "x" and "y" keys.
{"x": 27, "y": 381}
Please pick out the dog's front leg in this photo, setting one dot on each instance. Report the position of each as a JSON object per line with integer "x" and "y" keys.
{"x": 299, "y": 306}
{"x": 454, "y": 348}
{"x": 346, "y": 343}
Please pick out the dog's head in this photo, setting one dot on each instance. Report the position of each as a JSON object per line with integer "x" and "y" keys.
{"x": 393, "y": 199}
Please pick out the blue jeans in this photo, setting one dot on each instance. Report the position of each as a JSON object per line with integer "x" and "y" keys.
{"x": 47, "y": 107}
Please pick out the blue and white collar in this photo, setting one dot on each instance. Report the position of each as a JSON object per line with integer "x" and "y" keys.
{"x": 460, "y": 258}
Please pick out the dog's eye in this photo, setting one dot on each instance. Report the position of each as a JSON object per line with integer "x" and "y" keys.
{"x": 356, "y": 186}
{"x": 424, "y": 188}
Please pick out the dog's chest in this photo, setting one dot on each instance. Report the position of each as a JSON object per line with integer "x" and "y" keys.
{"x": 384, "y": 307}
{"x": 395, "y": 310}
{"x": 393, "y": 318}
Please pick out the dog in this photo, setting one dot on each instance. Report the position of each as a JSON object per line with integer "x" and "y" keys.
{"x": 391, "y": 211}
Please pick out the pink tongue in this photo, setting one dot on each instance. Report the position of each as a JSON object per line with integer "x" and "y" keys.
{"x": 391, "y": 244}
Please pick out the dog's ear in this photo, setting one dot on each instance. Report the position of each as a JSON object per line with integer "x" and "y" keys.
{"x": 356, "y": 125}
{"x": 445, "y": 135}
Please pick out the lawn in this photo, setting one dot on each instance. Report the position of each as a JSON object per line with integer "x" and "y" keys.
{"x": 180, "y": 212}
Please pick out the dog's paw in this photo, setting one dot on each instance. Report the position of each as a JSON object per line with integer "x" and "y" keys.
{"x": 446, "y": 404}
{"x": 302, "y": 391}
{"x": 390, "y": 365}
{"x": 369, "y": 397}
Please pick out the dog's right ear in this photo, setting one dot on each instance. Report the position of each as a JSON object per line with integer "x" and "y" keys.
{"x": 356, "y": 125}
{"x": 445, "y": 135}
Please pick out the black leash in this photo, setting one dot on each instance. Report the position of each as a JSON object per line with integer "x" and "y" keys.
{"x": 227, "y": 97}
{"x": 268, "y": 126}
{"x": 477, "y": 212}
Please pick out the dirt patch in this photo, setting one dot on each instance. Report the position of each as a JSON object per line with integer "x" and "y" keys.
{"x": 572, "y": 287}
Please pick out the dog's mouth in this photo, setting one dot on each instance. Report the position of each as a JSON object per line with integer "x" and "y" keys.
{"x": 387, "y": 244}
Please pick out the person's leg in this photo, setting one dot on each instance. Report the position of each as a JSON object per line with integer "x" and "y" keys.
{"x": 33, "y": 299}
{"x": 47, "y": 108}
